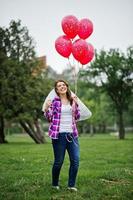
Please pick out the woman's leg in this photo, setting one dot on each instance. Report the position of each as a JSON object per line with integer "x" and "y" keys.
{"x": 73, "y": 151}
{"x": 59, "y": 147}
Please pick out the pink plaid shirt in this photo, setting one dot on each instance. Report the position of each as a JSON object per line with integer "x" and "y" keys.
{"x": 53, "y": 115}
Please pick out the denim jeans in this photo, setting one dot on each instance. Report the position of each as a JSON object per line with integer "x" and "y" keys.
{"x": 65, "y": 141}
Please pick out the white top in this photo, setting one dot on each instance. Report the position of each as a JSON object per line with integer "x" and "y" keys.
{"x": 66, "y": 118}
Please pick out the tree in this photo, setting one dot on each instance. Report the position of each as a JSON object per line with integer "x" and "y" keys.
{"x": 19, "y": 89}
{"x": 113, "y": 71}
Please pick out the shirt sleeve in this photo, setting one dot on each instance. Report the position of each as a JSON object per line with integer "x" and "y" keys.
{"x": 77, "y": 111}
{"x": 49, "y": 114}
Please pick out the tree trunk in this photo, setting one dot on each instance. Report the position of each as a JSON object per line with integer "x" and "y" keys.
{"x": 39, "y": 132}
{"x": 2, "y": 134}
{"x": 92, "y": 130}
{"x": 121, "y": 126}
{"x": 103, "y": 128}
{"x": 28, "y": 127}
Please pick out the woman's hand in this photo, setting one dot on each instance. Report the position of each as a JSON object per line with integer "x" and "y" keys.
{"x": 75, "y": 99}
{"x": 48, "y": 104}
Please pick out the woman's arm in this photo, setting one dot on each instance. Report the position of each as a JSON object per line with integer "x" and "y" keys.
{"x": 77, "y": 112}
{"x": 76, "y": 108}
{"x": 48, "y": 111}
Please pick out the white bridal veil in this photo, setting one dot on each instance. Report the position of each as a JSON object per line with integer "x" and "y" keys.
{"x": 85, "y": 113}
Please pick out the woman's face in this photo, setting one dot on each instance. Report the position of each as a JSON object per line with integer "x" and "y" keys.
{"x": 61, "y": 88}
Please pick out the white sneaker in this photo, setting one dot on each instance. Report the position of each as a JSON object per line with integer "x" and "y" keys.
{"x": 56, "y": 187}
{"x": 72, "y": 189}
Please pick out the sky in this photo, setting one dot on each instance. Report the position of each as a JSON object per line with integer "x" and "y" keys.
{"x": 112, "y": 21}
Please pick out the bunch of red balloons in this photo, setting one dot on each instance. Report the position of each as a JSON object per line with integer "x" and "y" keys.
{"x": 65, "y": 45}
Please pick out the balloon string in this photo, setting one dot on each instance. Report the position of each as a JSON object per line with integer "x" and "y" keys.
{"x": 75, "y": 79}
{"x": 75, "y": 76}
{"x": 73, "y": 70}
{"x": 69, "y": 62}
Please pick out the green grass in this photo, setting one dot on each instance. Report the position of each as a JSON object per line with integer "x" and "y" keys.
{"x": 105, "y": 173}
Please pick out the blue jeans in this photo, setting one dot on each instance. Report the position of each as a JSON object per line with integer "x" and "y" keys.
{"x": 65, "y": 141}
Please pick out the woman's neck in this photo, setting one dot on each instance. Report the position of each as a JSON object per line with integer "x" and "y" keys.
{"x": 63, "y": 96}
{"x": 64, "y": 99}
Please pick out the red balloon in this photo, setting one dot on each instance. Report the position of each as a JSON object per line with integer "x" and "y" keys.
{"x": 63, "y": 46}
{"x": 79, "y": 49}
{"x": 85, "y": 28}
{"x": 70, "y": 26}
{"x": 88, "y": 56}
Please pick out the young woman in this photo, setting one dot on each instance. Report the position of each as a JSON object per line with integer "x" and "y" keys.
{"x": 62, "y": 113}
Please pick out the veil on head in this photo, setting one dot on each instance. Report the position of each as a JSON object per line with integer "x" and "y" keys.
{"x": 85, "y": 113}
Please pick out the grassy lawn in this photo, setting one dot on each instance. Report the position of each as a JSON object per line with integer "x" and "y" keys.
{"x": 105, "y": 173}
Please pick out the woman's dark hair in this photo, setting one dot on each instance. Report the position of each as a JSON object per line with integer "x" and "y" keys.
{"x": 68, "y": 93}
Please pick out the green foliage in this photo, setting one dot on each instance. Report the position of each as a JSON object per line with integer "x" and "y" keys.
{"x": 99, "y": 104}
{"x": 21, "y": 93}
{"x": 16, "y": 64}
{"x": 16, "y": 43}
{"x": 129, "y": 114}
{"x": 114, "y": 70}
{"x": 105, "y": 172}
